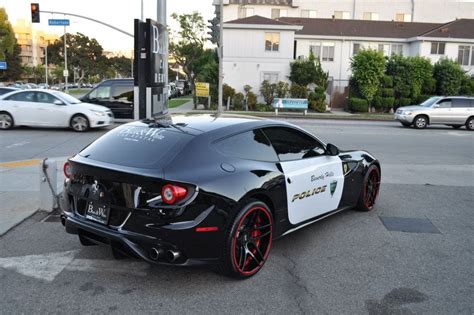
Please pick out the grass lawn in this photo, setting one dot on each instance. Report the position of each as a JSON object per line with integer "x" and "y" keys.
{"x": 175, "y": 102}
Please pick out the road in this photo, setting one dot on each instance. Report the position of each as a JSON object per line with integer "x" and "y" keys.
{"x": 350, "y": 263}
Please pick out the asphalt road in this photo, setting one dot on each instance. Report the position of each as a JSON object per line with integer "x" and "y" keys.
{"x": 349, "y": 263}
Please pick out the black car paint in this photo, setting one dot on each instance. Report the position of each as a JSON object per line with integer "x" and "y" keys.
{"x": 222, "y": 191}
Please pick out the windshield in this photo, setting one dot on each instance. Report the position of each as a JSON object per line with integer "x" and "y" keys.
{"x": 430, "y": 101}
{"x": 66, "y": 97}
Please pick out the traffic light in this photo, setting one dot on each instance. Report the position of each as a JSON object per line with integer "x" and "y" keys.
{"x": 214, "y": 30}
{"x": 35, "y": 13}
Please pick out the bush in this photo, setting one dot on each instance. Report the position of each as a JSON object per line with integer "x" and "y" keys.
{"x": 358, "y": 105}
{"x": 387, "y": 92}
{"x": 317, "y": 100}
{"x": 449, "y": 76}
{"x": 298, "y": 91}
{"x": 429, "y": 87}
{"x": 377, "y": 103}
{"x": 238, "y": 101}
{"x": 251, "y": 100}
{"x": 404, "y": 101}
{"x": 281, "y": 89}
{"x": 263, "y": 108}
{"x": 388, "y": 102}
{"x": 268, "y": 92}
{"x": 227, "y": 91}
{"x": 421, "y": 98}
{"x": 467, "y": 86}
{"x": 368, "y": 68}
{"x": 387, "y": 81}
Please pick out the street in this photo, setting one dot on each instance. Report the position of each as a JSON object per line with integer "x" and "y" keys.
{"x": 350, "y": 263}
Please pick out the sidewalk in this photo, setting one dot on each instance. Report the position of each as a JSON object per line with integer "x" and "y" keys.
{"x": 20, "y": 190}
{"x": 186, "y": 107}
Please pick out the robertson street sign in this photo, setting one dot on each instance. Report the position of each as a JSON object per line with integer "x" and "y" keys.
{"x": 3, "y": 65}
{"x": 58, "y": 22}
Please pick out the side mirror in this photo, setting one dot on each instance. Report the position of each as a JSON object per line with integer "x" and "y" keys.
{"x": 58, "y": 102}
{"x": 436, "y": 106}
{"x": 331, "y": 149}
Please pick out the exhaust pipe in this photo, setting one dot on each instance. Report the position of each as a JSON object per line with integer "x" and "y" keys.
{"x": 156, "y": 253}
{"x": 172, "y": 255}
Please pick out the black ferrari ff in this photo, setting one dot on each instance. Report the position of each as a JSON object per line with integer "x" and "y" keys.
{"x": 204, "y": 189}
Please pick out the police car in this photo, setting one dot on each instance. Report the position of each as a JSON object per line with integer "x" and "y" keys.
{"x": 206, "y": 189}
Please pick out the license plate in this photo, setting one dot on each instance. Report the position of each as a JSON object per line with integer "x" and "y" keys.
{"x": 97, "y": 212}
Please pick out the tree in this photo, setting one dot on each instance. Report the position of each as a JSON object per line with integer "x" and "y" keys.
{"x": 7, "y": 36}
{"x": 207, "y": 69}
{"x": 306, "y": 71}
{"x": 449, "y": 76}
{"x": 368, "y": 68}
{"x": 122, "y": 66}
{"x": 187, "y": 46}
{"x": 14, "y": 69}
{"x": 268, "y": 92}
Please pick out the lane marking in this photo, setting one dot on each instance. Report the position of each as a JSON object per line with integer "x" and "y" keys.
{"x": 19, "y": 144}
{"x": 46, "y": 267}
{"x": 24, "y": 163}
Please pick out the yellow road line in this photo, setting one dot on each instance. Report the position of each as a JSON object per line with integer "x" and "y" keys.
{"x": 20, "y": 163}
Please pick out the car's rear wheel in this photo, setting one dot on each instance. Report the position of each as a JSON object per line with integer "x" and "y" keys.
{"x": 248, "y": 241}
{"x": 470, "y": 123}
{"x": 370, "y": 189}
{"x": 6, "y": 121}
{"x": 420, "y": 122}
{"x": 79, "y": 123}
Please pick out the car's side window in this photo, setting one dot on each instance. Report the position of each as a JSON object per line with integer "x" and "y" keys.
{"x": 22, "y": 97}
{"x": 42, "y": 97}
{"x": 461, "y": 102}
{"x": 445, "y": 103}
{"x": 291, "y": 144}
{"x": 123, "y": 93}
{"x": 101, "y": 93}
{"x": 250, "y": 145}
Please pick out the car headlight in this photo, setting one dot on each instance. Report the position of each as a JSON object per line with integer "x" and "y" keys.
{"x": 407, "y": 112}
{"x": 99, "y": 113}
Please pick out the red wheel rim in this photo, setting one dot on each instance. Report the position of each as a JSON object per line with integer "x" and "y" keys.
{"x": 252, "y": 241}
{"x": 371, "y": 188}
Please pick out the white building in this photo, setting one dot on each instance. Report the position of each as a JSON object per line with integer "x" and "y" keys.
{"x": 258, "y": 48}
{"x": 440, "y": 11}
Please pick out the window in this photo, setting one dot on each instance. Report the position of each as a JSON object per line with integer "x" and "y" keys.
{"x": 437, "y": 48}
{"x": 444, "y": 103}
{"x": 22, "y": 97}
{"x": 291, "y": 144}
{"x": 397, "y": 49}
{"x": 278, "y": 13}
{"x": 101, "y": 93}
{"x": 355, "y": 48}
{"x": 328, "y": 52}
{"x": 371, "y": 16}
{"x": 123, "y": 94}
{"x": 463, "y": 55}
{"x": 245, "y": 12}
{"x": 272, "y": 41}
{"x": 384, "y": 48}
{"x": 342, "y": 15}
{"x": 316, "y": 49}
{"x": 271, "y": 77}
{"x": 308, "y": 14}
{"x": 461, "y": 102}
{"x": 403, "y": 17}
{"x": 250, "y": 145}
{"x": 45, "y": 98}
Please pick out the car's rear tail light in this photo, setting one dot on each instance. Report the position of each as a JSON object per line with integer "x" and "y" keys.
{"x": 67, "y": 170}
{"x": 172, "y": 194}
{"x": 207, "y": 229}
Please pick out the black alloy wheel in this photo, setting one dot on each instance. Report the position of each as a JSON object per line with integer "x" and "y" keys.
{"x": 370, "y": 189}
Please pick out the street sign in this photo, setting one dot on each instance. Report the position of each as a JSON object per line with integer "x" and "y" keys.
{"x": 58, "y": 22}
{"x": 202, "y": 89}
{"x": 3, "y": 65}
{"x": 65, "y": 73}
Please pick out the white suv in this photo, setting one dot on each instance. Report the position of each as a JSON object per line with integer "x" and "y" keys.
{"x": 455, "y": 111}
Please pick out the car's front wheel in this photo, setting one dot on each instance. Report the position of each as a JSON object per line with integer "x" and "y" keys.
{"x": 6, "y": 121}
{"x": 470, "y": 123}
{"x": 248, "y": 241}
{"x": 420, "y": 122}
{"x": 370, "y": 189}
{"x": 79, "y": 123}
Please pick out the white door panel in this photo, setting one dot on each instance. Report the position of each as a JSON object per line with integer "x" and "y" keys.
{"x": 314, "y": 186}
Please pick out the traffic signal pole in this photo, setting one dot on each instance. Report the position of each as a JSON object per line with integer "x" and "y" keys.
{"x": 220, "y": 54}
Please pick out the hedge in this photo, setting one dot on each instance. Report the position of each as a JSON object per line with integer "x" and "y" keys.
{"x": 358, "y": 105}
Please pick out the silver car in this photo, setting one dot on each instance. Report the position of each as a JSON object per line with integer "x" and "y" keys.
{"x": 455, "y": 111}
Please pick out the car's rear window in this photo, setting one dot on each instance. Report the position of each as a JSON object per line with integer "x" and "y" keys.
{"x": 137, "y": 146}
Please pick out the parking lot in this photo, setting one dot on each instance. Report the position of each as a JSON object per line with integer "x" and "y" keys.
{"x": 413, "y": 254}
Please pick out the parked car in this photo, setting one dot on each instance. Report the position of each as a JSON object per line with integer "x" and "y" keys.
{"x": 115, "y": 94}
{"x": 5, "y": 90}
{"x": 50, "y": 108}
{"x": 183, "y": 87}
{"x": 454, "y": 111}
{"x": 149, "y": 189}
{"x": 172, "y": 91}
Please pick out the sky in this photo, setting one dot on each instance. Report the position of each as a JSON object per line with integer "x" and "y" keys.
{"x": 119, "y": 13}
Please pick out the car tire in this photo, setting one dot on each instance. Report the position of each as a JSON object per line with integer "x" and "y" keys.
{"x": 79, "y": 123}
{"x": 6, "y": 121}
{"x": 470, "y": 123}
{"x": 420, "y": 122}
{"x": 248, "y": 241}
{"x": 370, "y": 189}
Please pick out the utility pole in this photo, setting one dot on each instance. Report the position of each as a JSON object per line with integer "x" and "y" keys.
{"x": 220, "y": 54}
{"x": 46, "y": 63}
{"x": 161, "y": 18}
{"x": 66, "y": 72}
